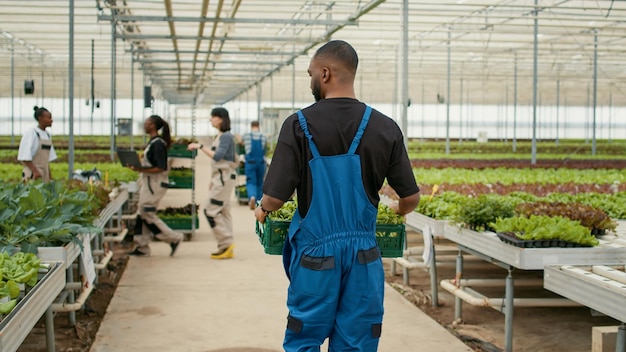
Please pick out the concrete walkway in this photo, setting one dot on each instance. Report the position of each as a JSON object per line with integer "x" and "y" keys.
{"x": 192, "y": 303}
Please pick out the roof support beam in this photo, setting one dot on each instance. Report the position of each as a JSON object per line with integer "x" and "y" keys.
{"x": 292, "y": 21}
{"x": 195, "y": 37}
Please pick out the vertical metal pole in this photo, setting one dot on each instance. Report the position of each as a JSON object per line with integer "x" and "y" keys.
{"x": 70, "y": 153}
{"x": 558, "y": 98}
{"x": 259, "y": 97}
{"x": 49, "y": 318}
{"x": 458, "y": 302}
{"x": 423, "y": 112}
{"x": 193, "y": 168}
{"x": 506, "y": 112}
{"x": 515, "y": 105}
{"x": 113, "y": 68}
{"x": 92, "y": 99}
{"x": 293, "y": 80}
{"x": 448, "y": 99}
{"x": 132, "y": 97}
{"x": 508, "y": 310}
{"x": 42, "y": 81}
{"x": 587, "y": 115}
{"x": 64, "y": 105}
{"x": 533, "y": 160}
{"x": 404, "y": 90}
{"x": 620, "y": 341}
{"x": 461, "y": 112}
{"x": 12, "y": 93}
{"x": 610, "y": 114}
{"x": 595, "y": 89}
{"x": 394, "y": 98}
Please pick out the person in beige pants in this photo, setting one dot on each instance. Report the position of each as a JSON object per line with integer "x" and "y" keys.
{"x": 153, "y": 183}
{"x": 217, "y": 208}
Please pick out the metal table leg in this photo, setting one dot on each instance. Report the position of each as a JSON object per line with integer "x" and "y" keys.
{"x": 508, "y": 312}
{"x": 620, "y": 344}
{"x": 433, "y": 277}
{"x": 50, "y": 330}
{"x": 458, "y": 302}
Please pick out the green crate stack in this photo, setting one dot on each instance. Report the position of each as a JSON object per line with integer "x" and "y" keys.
{"x": 180, "y": 151}
{"x": 180, "y": 223}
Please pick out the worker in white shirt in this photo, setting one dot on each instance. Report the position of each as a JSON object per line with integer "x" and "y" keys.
{"x": 36, "y": 150}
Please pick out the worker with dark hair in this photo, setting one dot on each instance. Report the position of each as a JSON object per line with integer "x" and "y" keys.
{"x": 153, "y": 181}
{"x": 223, "y": 156}
{"x": 336, "y": 153}
{"x": 36, "y": 150}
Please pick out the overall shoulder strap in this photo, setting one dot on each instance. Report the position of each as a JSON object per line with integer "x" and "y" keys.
{"x": 305, "y": 129}
{"x": 359, "y": 132}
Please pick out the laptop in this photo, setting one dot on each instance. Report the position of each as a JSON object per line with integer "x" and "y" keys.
{"x": 129, "y": 157}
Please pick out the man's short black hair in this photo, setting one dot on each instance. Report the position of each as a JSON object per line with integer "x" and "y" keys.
{"x": 341, "y": 52}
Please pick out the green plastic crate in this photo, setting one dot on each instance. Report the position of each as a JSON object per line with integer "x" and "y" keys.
{"x": 180, "y": 151}
{"x": 390, "y": 238}
{"x": 272, "y": 235}
{"x": 180, "y": 223}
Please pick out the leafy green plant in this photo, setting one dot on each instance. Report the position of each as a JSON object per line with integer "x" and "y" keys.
{"x": 593, "y": 218}
{"x": 43, "y": 214}
{"x": 441, "y": 206}
{"x": 545, "y": 228}
{"x": 478, "y": 213}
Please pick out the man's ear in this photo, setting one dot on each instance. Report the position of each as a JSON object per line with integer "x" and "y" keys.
{"x": 325, "y": 74}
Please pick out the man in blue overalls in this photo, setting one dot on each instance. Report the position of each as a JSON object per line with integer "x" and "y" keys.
{"x": 336, "y": 153}
{"x": 255, "y": 145}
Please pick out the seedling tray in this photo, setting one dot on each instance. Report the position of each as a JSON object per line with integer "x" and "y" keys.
{"x": 511, "y": 239}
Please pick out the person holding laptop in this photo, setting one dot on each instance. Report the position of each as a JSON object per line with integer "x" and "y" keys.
{"x": 153, "y": 186}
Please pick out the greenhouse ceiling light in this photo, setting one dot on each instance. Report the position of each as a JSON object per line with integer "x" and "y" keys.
{"x": 7, "y": 35}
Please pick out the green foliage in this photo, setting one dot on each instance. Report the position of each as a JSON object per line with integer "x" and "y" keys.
{"x": 177, "y": 212}
{"x": 593, "y": 218}
{"x": 545, "y": 228}
{"x": 524, "y": 176}
{"x": 386, "y": 216}
{"x": 613, "y": 204}
{"x": 442, "y": 206}
{"x": 181, "y": 172}
{"x": 116, "y": 172}
{"x": 478, "y": 213}
{"x": 285, "y": 213}
{"x": 43, "y": 214}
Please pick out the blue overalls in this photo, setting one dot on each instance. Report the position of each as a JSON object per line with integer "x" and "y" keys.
{"x": 332, "y": 259}
{"x": 255, "y": 167}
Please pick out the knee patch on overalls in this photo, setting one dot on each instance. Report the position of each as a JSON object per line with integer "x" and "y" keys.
{"x": 294, "y": 324}
{"x": 155, "y": 230}
{"x": 138, "y": 225}
{"x": 210, "y": 219}
{"x": 377, "y": 330}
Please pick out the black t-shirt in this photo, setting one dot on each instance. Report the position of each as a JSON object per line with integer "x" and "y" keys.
{"x": 333, "y": 124}
{"x": 157, "y": 153}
